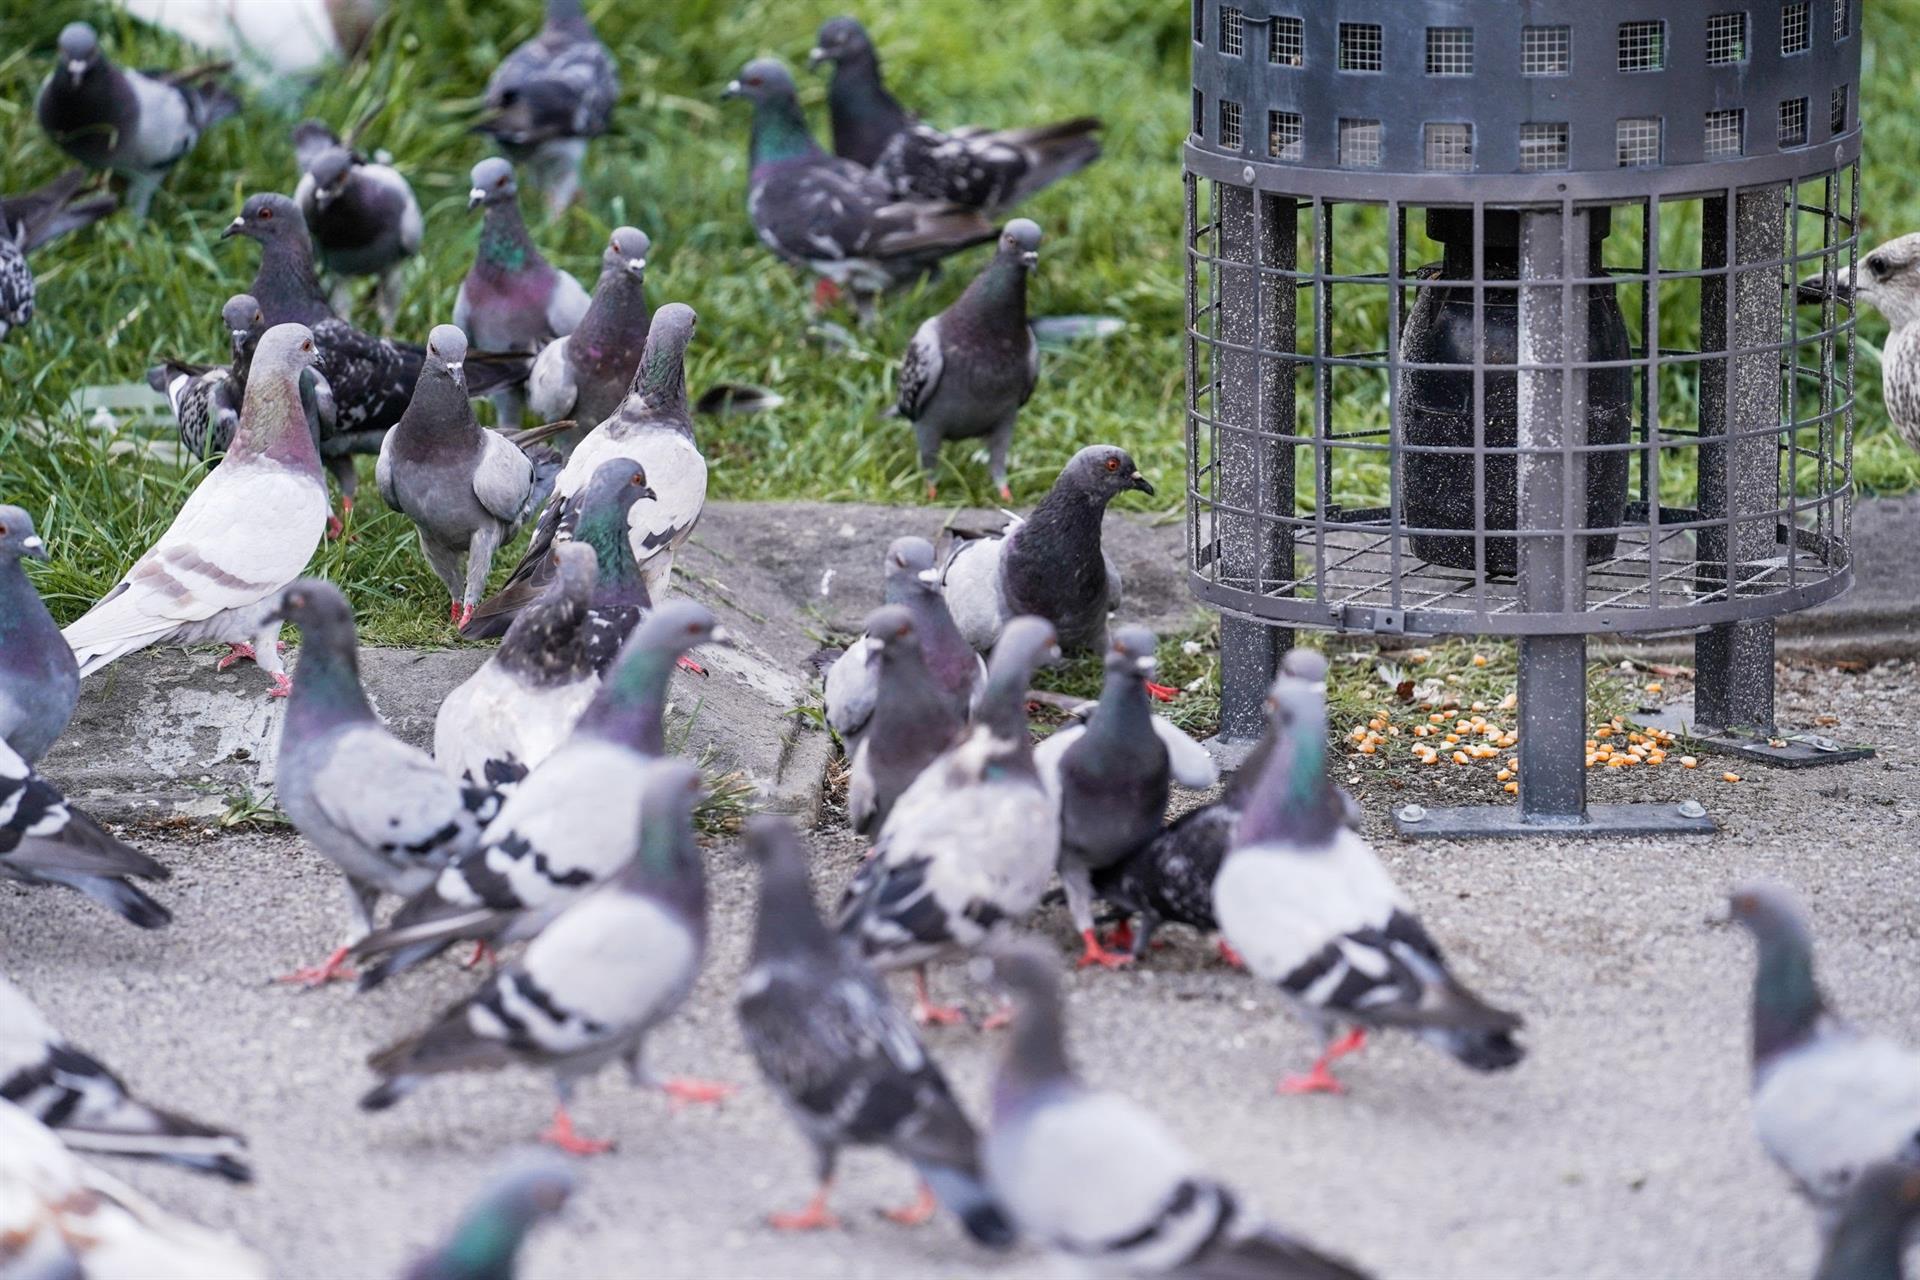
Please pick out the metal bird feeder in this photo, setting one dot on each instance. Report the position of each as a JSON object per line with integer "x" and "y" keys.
{"x": 1528, "y": 270}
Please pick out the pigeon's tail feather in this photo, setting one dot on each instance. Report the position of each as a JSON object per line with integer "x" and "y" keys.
{"x": 111, "y": 630}
{"x": 547, "y": 465}
{"x": 154, "y": 1134}
{"x": 214, "y": 102}
{"x": 1268, "y": 1255}
{"x": 964, "y": 1196}
{"x": 388, "y": 1092}
{"x": 50, "y": 210}
{"x": 124, "y": 899}
{"x": 407, "y": 943}
{"x": 490, "y": 371}
{"x": 1053, "y": 152}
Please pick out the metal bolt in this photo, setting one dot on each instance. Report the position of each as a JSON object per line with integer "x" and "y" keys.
{"x": 1692, "y": 809}
{"x": 1413, "y": 813}
{"x": 1246, "y": 174}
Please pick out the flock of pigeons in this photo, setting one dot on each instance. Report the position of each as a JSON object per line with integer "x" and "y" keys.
{"x": 551, "y": 811}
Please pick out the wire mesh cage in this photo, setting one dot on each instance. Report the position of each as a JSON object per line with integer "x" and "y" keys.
{"x": 1493, "y": 329}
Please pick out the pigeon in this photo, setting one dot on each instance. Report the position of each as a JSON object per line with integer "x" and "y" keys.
{"x": 833, "y": 217}
{"x": 466, "y": 489}
{"x": 912, "y": 723}
{"x": 63, "y": 1218}
{"x": 206, "y": 399}
{"x": 555, "y": 835}
{"x": 652, "y": 428}
{"x": 957, "y": 671}
{"x": 593, "y": 984}
{"x": 1049, "y": 564}
{"x": 518, "y": 708}
{"x": 1307, "y": 903}
{"x": 39, "y": 677}
{"x": 842, "y": 1059}
{"x": 985, "y": 169}
{"x": 970, "y": 368}
{"x": 362, "y": 215}
{"x": 1889, "y": 279}
{"x": 512, "y": 299}
{"x": 1110, "y": 777}
{"x": 378, "y": 809}
{"x": 1869, "y": 1239}
{"x": 485, "y": 1244}
{"x": 1097, "y": 1178}
{"x": 77, "y": 1096}
{"x": 30, "y": 220}
{"x": 585, "y": 375}
{"x": 1828, "y": 1099}
{"x": 548, "y": 97}
{"x": 245, "y": 532}
{"x": 970, "y": 844}
{"x": 138, "y": 125}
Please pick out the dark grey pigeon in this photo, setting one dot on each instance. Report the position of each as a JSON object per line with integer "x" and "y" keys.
{"x": 1870, "y": 1238}
{"x": 989, "y": 169}
{"x": 548, "y": 97}
{"x": 832, "y": 216}
{"x": 466, "y": 489}
{"x": 556, "y": 836}
{"x": 1050, "y": 564}
{"x": 1829, "y": 1100}
{"x": 971, "y": 845}
{"x": 843, "y": 1061}
{"x": 1097, "y": 1178}
{"x": 585, "y": 375}
{"x": 970, "y": 368}
{"x": 485, "y": 1243}
{"x": 362, "y": 215}
{"x": 39, "y": 676}
{"x": 30, "y": 220}
{"x": 133, "y": 123}
{"x": 608, "y": 970}
{"x": 375, "y": 807}
{"x": 912, "y": 724}
{"x": 80, "y": 1098}
{"x": 1305, "y": 901}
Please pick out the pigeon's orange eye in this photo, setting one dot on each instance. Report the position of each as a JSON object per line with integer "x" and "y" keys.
{"x": 501, "y": 183}
{"x": 266, "y": 215}
{"x": 1113, "y": 464}
{"x": 637, "y": 481}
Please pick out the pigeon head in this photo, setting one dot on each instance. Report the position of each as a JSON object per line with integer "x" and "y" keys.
{"x": 1888, "y": 278}
{"x": 315, "y": 606}
{"x": 1021, "y": 240}
{"x": 331, "y": 169}
{"x": 79, "y": 50}
{"x": 631, "y": 702}
{"x": 611, "y": 491}
{"x": 891, "y": 627}
{"x": 662, "y": 373}
{"x": 17, "y": 537}
{"x": 265, "y": 217}
{"x": 287, "y": 346}
{"x": 1025, "y": 644}
{"x": 312, "y": 136}
{"x": 1037, "y": 1051}
{"x": 627, "y": 251}
{"x": 492, "y": 183}
{"x": 1787, "y": 1005}
{"x": 242, "y": 315}
{"x": 909, "y": 569}
{"x": 677, "y": 626}
{"x": 1102, "y": 472}
{"x": 763, "y": 80}
{"x": 490, "y": 1233}
{"x": 576, "y": 566}
{"x": 1130, "y": 651}
{"x": 447, "y": 352}
{"x": 773, "y": 843}
{"x": 840, "y": 39}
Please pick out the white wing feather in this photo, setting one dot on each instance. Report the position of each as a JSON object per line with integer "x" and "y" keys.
{"x": 551, "y": 390}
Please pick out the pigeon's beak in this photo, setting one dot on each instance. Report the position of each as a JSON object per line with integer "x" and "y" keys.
{"x": 34, "y": 547}
{"x": 929, "y": 576}
{"x": 457, "y": 370}
{"x": 76, "y": 70}
{"x": 816, "y": 56}
{"x": 234, "y": 228}
{"x": 475, "y": 198}
{"x": 732, "y": 90}
{"x": 1146, "y": 665}
{"x": 637, "y": 266}
{"x": 1815, "y": 290}
{"x": 1030, "y": 259}
{"x": 1141, "y": 483}
{"x": 721, "y": 635}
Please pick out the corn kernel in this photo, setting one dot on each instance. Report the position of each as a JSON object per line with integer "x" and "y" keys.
{"x": 1656, "y": 687}
{"x": 1367, "y": 749}
{"x": 1592, "y": 760}
{"x": 1604, "y": 731}
{"x": 1504, "y": 774}
{"x": 1459, "y": 757}
{"x": 1436, "y": 718}
{"x": 1509, "y": 702}
{"x": 1688, "y": 762}
{"x": 1479, "y": 659}
{"x": 1479, "y": 706}
{"x": 1452, "y": 738}
{"x": 1729, "y": 777}
{"x": 1512, "y": 788}
{"x": 1376, "y": 724}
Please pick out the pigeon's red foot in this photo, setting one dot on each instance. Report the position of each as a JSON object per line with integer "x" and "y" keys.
{"x": 561, "y": 1134}
{"x": 481, "y": 951}
{"x": 235, "y": 652}
{"x": 815, "y": 1217}
{"x": 1095, "y": 954}
{"x": 332, "y": 969}
{"x": 465, "y": 613}
{"x": 933, "y": 491}
{"x": 1352, "y": 1042}
{"x": 917, "y": 1214}
{"x": 825, "y": 294}
{"x": 282, "y": 685}
{"x": 1120, "y": 937}
{"x": 1006, "y": 494}
{"x": 686, "y": 1089}
{"x": 1228, "y": 956}
{"x": 1164, "y": 692}
{"x": 453, "y": 612}
{"x": 999, "y": 1020}
{"x": 688, "y": 664}
{"x": 928, "y": 1014}
{"x": 335, "y": 527}
{"x": 1318, "y": 1080}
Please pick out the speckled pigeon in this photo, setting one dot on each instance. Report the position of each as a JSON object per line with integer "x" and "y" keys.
{"x": 585, "y": 375}
{"x": 1888, "y": 278}
{"x": 651, "y": 427}
{"x": 990, "y": 169}
{"x": 1051, "y": 563}
{"x": 74, "y": 1093}
{"x": 912, "y": 724}
{"x": 30, "y": 220}
{"x": 375, "y": 807}
{"x": 831, "y": 216}
{"x": 973, "y": 841}
{"x": 1828, "y": 1099}
{"x": 245, "y": 532}
{"x": 516, "y": 710}
{"x": 136, "y": 124}
{"x": 556, "y": 835}
{"x": 842, "y": 1059}
{"x": 970, "y": 368}
{"x": 1869, "y": 1239}
{"x": 549, "y": 96}
{"x": 362, "y": 216}
{"x": 608, "y": 970}
{"x": 39, "y": 677}
{"x": 1307, "y": 903}
{"x": 485, "y": 1243}
{"x": 1097, "y": 1178}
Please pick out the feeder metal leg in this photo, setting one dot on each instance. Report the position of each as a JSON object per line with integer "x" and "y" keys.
{"x": 1553, "y": 729}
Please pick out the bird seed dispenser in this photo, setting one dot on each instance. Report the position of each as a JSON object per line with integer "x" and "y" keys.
{"x": 1492, "y": 330}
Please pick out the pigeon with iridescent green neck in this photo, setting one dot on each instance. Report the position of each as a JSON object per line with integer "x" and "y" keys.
{"x": 584, "y": 375}
{"x": 551, "y": 95}
{"x": 485, "y": 1243}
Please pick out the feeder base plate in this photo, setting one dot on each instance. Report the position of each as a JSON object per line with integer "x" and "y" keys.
{"x": 1802, "y": 751}
{"x": 1483, "y": 822}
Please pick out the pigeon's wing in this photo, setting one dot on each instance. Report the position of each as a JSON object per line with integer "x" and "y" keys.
{"x": 503, "y": 477}
{"x": 566, "y": 304}
{"x": 677, "y": 474}
{"x": 551, "y": 389}
{"x": 920, "y": 370}
{"x": 391, "y": 797}
{"x": 972, "y": 581}
{"x": 1052, "y": 750}
{"x": 1115, "y": 585}
{"x": 1033, "y": 366}
{"x": 383, "y": 477}
{"x": 614, "y": 963}
{"x": 1189, "y": 762}
{"x": 851, "y": 687}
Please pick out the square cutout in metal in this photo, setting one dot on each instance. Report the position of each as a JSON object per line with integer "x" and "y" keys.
{"x": 1287, "y": 42}
{"x": 1233, "y": 32}
{"x": 1360, "y": 144}
{"x": 1230, "y": 125}
{"x": 1842, "y": 20}
{"x": 1199, "y": 22}
{"x": 1726, "y": 39}
{"x": 1199, "y": 113}
{"x": 1284, "y": 135}
{"x": 1546, "y": 51}
{"x": 1643, "y": 46}
{"x": 1726, "y": 133}
{"x": 1361, "y": 46}
{"x": 1793, "y": 122}
{"x": 1544, "y": 148}
{"x": 1796, "y": 27}
{"x": 1636, "y": 141}
{"x": 1837, "y": 115}
{"x": 1449, "y": 51}
{"x": 1448, "y": 147}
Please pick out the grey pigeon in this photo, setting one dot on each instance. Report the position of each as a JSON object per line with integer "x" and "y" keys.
{"x": 833, "y": 217}
{"x": 485, "y": 1243}
{"x": 75, "y": 1094}
{"x": 466, "y": 489}
{"x": 651, "y": 427}
{"x": 136, "y": 124}
{"x": 1870, "y": 1238}
{"x": 518, "y": 708}
{"x": 1828, "y": 1099}
{"x": 30, "y": 220}
{"x": 378, "y": 809}
{"x": 549, "y": 96}
{"x": 842, "y": 1059}
{"x": 362, "y": 215}
{"x": 588, "y": 990}
{"x": 1888, "y": 279}
{"x": 989, "y": 169}
{"x": 39, "y": 678}
{"x": 245, "y": 532}
{"x": 512, "y": 299}
{"x": 1050, "y": 564}
{"x": 1097, "y": 1178}
{"x": 555, "y": 836}
{"x": 1306, "y": 902}
{"x": 972, "y": 842}
{"x": 912, "y": 724}
{"x": 585, "y": 374}
{"x": 970, "y": 368}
